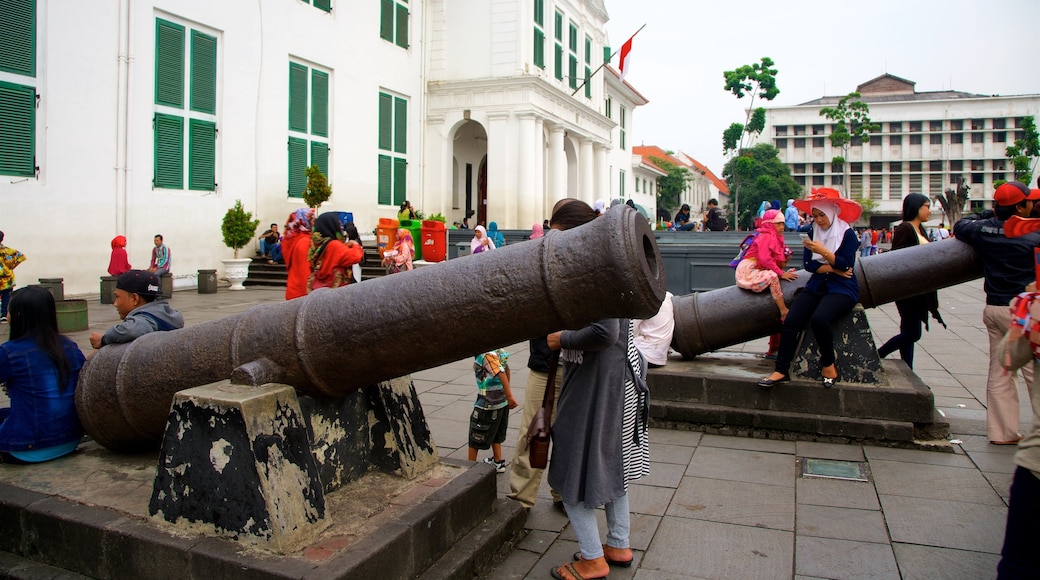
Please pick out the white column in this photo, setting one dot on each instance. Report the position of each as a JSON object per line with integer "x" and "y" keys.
{"x": 586, "y": 176}
{"x": 602, "y": 178}
{"x": 526, "y": 176}
{"x": 557, "y": 165}
{"x": 541, "y": 212}
{"x": 501, "y": 171}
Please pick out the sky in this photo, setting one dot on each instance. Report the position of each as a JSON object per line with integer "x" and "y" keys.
{"x": 820, "y": 48}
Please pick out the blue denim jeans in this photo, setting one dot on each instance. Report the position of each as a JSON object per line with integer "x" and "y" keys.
{"x": 583, "y": 520}
{"x": 5, "y": 298}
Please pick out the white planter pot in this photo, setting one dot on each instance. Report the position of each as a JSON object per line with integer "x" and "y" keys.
{"x": 236, "y": 271}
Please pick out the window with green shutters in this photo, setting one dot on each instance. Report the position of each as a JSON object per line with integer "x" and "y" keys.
{"x": 572, "y": 47}
{"x": 325, "y": 5}
{"x": 558, "y": 30}
{"x": 308, "y": 124}
{"x": 185, "y": 121}
{"x": 588, "y": 67}
{"x": 393, "y": 21}
{"x": 621, "y": 183}
{"x": 393, "y": 145}
{"x": 539, "y": 33}
{"x": 621, "y": 115}
{"x": 18, "y": 97}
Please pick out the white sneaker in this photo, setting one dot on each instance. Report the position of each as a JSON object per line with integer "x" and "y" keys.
{"x": 3, "y": 320}
{"x": 500, "y": 466}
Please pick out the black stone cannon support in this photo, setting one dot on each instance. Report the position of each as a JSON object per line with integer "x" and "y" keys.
{"x": 336, "y": 341}
{"x": 708, "y": 321}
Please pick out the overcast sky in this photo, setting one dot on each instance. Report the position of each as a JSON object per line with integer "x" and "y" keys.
{"x": 820, "y": 48}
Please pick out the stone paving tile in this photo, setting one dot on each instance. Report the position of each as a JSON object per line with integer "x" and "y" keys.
{"x": 537, "y": 541}
{"x": 644, "y": 574}
{"x": 673, "y": 437}
{"x": 748, "y": 444}
{"x": 439, "y": 374}
{"x": 967, "y": 402}
{"x": 842, "y": 559}
{"x": 644, "y": 499}
{"x": 741, "y": 465}
{"x": 431, "y": 401}
{"x": 746, "y": 504}
{"x": 981, "y": 443}
{"x": 543, "y": 516}
{"x": 829, "y": 451}
{"x": 952, "y": 390}
{"x": 677, "y": 454}
{"x": 643, "y": 528}
{"x": 945, "y": 524}
{"x": 841, "y": 524}
{"x": 663, "y": 475}
{"x": 517, "y": 566}
{"x": 933, "y": 482}
{"x": 837, "y": 493}
{"x": 915, "y": 456}
{"x": 928, "y": 563}
{"x": 993, "y": 462}
{"x": 563, "y": 551}
{"x": 687, "y": 547}
{"x": 1001, "y": 483}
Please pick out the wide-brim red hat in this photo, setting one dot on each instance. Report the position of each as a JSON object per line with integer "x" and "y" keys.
{"x": 848, "y": 210}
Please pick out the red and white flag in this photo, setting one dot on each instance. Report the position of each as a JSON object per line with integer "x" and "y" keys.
{"x": 624, "y": 62}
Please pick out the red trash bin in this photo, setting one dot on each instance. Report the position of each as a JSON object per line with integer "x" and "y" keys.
{"x": 386, "y": 235}
{"x": 434, "y": 241}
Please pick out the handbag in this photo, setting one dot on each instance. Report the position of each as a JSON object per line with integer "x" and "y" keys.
{"x": 538, "y": 436}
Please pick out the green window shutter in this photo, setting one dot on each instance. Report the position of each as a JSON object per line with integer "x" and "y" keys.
{"x": 572, "y": 37}
{"x": 202, "y": 159}
{"x": 17, "y": 130}
{"x": 400, "y": 125}
{"x": 588, "y": 50}
{"x": 572, "y": 71}
{"x": 325, "y": 5}
{"x": 386, "y": 105}
{"x": 539, "y": 12}
{"x": 169, "y": 151}
{"x": 319, "y": 103}
{"x": 320, "y": 156}
{"x": 169, "y": 64}
{"x": 588, "y": 84}
{"x": 606, "y": 54}
{"x": 297, "y": 166}
{"x": 559, "y": 62}
{"x": 539, "y": 48}
{"x": 400, "y": 180}
{"x": 402, "y": 26}
{"x": 385, "y": 179}
{"x": 558, "y": 21}
{"x": 18, "y": 41}
{"x": 297, "y": 97}
{"x": 386, "y": 20}
{"x": 203, "y": 72}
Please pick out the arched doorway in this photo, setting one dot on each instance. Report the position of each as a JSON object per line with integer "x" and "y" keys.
{"x": 469, "y": 172}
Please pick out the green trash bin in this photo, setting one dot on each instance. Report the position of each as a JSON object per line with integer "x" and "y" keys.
{"x": 108, "y": 289}
{"x": 56, "y": 286}
{"x": 415, "y": 227}
{"x": 71, "y": 315}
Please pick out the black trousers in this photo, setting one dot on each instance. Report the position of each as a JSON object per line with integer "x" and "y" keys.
{"x": 819, "y": 311}
{"x": 911, "y": 317}
{"x": 1019, "y": 556}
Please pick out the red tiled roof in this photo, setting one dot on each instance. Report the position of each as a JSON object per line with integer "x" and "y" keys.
{"x": 683, "y": 160}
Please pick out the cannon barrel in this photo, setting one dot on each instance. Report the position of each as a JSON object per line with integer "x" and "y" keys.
{"x": 712, "y": 320}
{"x": 333, "y": 342}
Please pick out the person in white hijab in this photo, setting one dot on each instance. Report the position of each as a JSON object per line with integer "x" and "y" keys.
{"x": 832, "y": 291}
{"x": 480, "y": 241}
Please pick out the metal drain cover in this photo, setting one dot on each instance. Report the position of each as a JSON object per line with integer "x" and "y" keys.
{"x": 832, "y": 469}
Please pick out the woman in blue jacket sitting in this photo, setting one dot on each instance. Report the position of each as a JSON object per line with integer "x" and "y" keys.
{"x": 39, "y": 369}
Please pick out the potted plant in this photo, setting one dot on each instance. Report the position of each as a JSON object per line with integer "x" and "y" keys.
{"x": 318, "y": 189}
{"x": 238, "y": 229}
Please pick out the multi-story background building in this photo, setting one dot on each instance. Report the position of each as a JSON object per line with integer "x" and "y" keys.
{"x": 153, "y": 117}
{"x": 928, "y": 141}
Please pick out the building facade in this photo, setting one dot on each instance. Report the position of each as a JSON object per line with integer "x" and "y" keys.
{"x": 701, "y": 184}
{"x": 144, "y": 118}
{"x": 928, "y": 142}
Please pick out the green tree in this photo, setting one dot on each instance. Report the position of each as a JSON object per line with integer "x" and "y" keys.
{"x": 762, "y": 177}
{"x": 238, "y": 227}
{"x": 1024, "y": 151}
{"x": 318, "y": 189}
{"x": 851, "y": 123}
{"x": 670, "y": 187}
{"x": 751, "y": 79}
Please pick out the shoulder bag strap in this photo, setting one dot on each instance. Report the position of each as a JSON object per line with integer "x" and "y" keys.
{"x": 550, "y": 385}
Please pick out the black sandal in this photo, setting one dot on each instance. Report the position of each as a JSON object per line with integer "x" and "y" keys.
{"x": 768, "y": 383}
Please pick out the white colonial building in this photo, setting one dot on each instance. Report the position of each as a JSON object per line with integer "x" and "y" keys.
{"x": 701, "y": 184}
{"x": 153, "y": 117}
{"x": 928, "y": 141}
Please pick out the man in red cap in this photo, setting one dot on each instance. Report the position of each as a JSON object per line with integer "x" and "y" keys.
{"x": 1007, "y": 264}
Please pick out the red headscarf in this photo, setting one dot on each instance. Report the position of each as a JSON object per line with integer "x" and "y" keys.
{"x": 118, "y": 263}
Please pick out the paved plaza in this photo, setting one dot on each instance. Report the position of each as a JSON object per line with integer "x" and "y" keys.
{"x": 729, "y": 507}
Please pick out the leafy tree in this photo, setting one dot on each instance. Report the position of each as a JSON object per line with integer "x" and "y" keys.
{"x": 762, "y": 177}
{"x": 670, "y": 187}
{"x": 238, "y": 227}
{"x": 851, "y": 122}
{"x": 751, "y": 79}
{"x": 869, "y": 207}
{"x": 1022, "y": 153}
{"x": 318, "y": 189}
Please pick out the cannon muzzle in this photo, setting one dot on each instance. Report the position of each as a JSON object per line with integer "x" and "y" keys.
{"x": 712, "y": 320}
{"x": 333, "y": 342}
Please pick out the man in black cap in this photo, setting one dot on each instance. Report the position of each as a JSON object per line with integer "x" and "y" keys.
{"x": 139, "y": 302}
{"x": 1008, "y": 266}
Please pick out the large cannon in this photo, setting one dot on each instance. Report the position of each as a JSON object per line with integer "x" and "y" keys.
{"x": 335, "y": 341}
{"x": 709, "y": 321}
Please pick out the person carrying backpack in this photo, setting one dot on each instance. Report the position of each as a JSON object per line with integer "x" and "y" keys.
{"x": 763, "y": 263}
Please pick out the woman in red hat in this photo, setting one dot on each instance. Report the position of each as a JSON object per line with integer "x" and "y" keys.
{"x": 831, "y": 292}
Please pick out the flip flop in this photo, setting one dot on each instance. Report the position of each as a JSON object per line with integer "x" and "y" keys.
{"x": 569, "y": 573}
{"x": 617, "y": 563}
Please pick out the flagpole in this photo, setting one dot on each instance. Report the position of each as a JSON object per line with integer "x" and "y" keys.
{"x": 600, "y": 67}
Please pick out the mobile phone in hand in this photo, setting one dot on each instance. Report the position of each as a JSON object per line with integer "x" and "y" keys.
{"x": 804, "y": 236}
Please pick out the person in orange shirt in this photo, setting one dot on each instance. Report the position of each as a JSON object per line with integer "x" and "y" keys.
{"x": 330, "y": 257}
{"x": 295, "y": 245}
